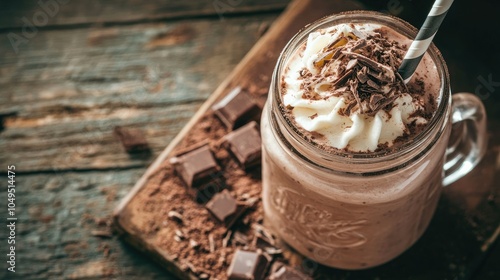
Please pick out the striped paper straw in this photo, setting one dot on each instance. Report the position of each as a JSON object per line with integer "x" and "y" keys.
{"x": 424, "y": 38}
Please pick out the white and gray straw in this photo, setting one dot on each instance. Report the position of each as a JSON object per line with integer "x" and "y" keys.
{"x": 424, "y": 38}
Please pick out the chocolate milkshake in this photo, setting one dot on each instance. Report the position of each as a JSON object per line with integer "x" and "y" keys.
{"x": 352, "y": 156}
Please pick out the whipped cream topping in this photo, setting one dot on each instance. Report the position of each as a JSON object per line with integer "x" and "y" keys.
{"x": 344, "y": 85}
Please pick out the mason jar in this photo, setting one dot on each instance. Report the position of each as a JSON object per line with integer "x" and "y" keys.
{"x": 359, "y": 210}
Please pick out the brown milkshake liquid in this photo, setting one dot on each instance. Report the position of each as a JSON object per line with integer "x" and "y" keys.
{"x": 344, "y": 96}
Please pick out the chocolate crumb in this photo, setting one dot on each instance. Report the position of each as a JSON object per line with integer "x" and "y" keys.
{"x": 211, "y": 243}
{"x": 193, "y": 244}
{"x": 312, "y": 117}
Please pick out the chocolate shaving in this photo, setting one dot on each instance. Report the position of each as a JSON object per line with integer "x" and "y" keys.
{"x": 336, "y": 54}
{"x": 366, "y": 61}
{"x": 211, "y": 243}
{"x": 361, "y": 69}
{"x": 361, "y": 75}
{"x": 375, "y": 100}
{"x": 372, "y": 84}
{"x": 354, "y": 89}
{"x": 379, "y": 76}
{"x": 240, "y": 238}
{"x": 351, "y": 64}
{"x": 360, "y": 44}
{"x": 349, "y": 108}
{"x": 343, "y": 78}
{"x": 226, "y": 239}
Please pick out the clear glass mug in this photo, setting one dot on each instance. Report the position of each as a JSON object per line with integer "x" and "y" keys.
{"x": 356, "y": 211}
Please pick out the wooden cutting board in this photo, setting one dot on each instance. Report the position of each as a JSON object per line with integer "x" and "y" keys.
{"x": 465, "y": 225}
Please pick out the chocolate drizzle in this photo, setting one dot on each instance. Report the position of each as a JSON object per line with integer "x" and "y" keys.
{"x": 361, "y": 69}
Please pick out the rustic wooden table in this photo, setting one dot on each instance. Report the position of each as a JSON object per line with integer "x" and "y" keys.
{"x": 70, "y": 72}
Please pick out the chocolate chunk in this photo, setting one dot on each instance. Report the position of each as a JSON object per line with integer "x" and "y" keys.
{"x": 285, "y": 272}
{"x": 236, "y": 109}
{"x": 247, "y": 265}
{"x": 245, "y": 144}
{"x": 199, "y": 172}
{"x": 225, "y": 208}
{"x": 132, "y": 139}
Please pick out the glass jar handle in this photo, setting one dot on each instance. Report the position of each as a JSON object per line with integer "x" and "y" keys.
{"x": 468, "y": 141}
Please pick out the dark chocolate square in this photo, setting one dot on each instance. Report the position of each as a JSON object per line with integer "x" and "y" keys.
{"x": 225, "y": 208}
{"x": 245, "y": 144}
{"x": 247, "y": 265}
{"x": 132, "y": 139}
{"x": 236, "y": 109}
{"x": 200, "y": 173}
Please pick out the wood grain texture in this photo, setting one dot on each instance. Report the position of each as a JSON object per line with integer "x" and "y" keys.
{"x": 14, "y": 14}
{"x": 63, "y": 93}
{"x": 59, "y": 215}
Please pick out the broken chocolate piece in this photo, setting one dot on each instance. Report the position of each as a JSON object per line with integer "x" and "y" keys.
{"x": 360, "y": 44}
{"x": 225, "y": 208}
{"x": 247, "y": 265}
{"x": 261, "y": 242}
{"x": 351, "y": 64}
{"x": 366, "y": 61}
{"x": 375, "y": 100}
{"x": 263, "y": 238}
{"x": 372, "y": 84}
{"x": 282, "y": 271}
{"x": 362, "y": 77}
{"x": 132, "y": 139}
{"x": 245, "y": 144}
{"x": 236, "y": 109}
{"x": 199, "y": 172}
{"x": 344, "y": 78}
